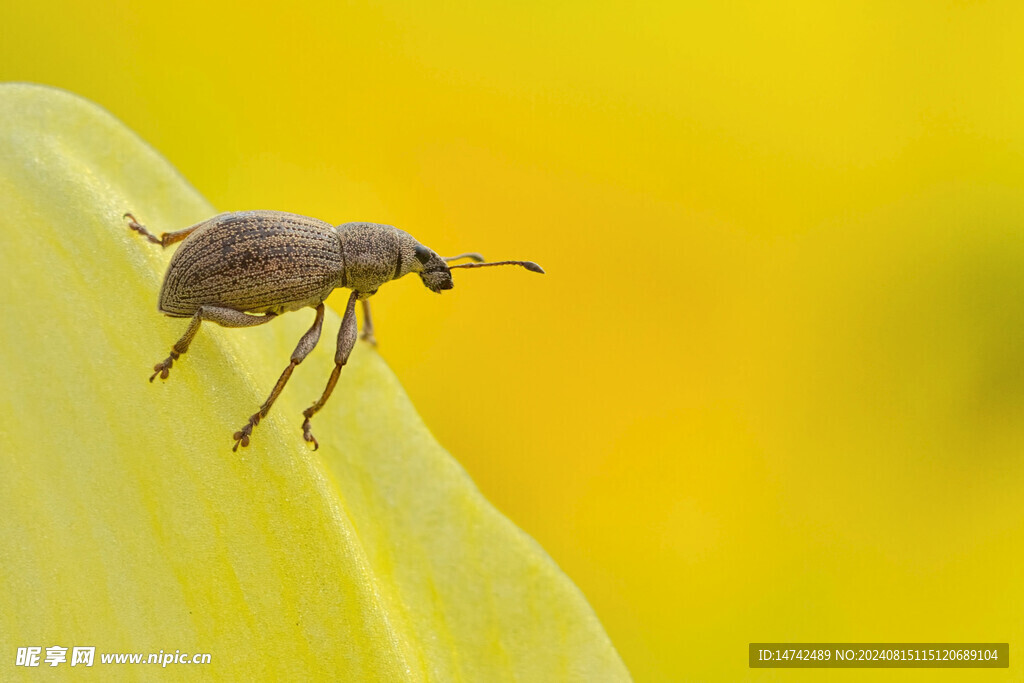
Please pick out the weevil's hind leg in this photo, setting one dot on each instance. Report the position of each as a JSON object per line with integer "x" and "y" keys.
{"x": 166, "y": 239}
{"x": 305, "y": 345}
{"x": 367, "y": 334}
{"x": 225, "y": 317}
{"x": 346, "y": 340}
{"x": 169, "y": 238}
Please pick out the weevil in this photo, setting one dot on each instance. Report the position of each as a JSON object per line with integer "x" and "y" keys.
{"x": 245, "y": 268}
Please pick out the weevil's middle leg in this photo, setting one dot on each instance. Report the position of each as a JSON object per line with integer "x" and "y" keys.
{"x": 225, "y": 317}
{"x": 305, "y": 345}
{"x": 346, "y": 341}
{"x": 165, "y": 239}
{"x": 367, "y": 334}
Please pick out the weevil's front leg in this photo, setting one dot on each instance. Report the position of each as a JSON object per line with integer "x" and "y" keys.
{"x": 471, "y": 255}
{"x": 367, "y": 334}
{"x": 225, "y": 317}
{"x": 166, "y": 239}
{"x": 302, "y": 350}
{"x": 346, "y": 340}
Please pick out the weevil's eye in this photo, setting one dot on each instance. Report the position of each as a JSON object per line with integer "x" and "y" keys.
{"x": 423, "y": 254}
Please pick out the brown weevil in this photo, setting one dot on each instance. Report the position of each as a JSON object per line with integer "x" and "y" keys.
{"x": 246, "y": 268}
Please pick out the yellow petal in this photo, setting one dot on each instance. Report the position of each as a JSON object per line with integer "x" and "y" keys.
{"x": 130, "y": 526}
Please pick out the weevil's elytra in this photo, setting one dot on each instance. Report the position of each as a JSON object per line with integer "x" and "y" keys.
{"x": 245, "y": 268}
{"x": 256, "y": 261}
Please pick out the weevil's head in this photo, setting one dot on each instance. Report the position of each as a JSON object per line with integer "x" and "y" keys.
{"x": 416, "y": 258}
{"x": 435, "y": 274}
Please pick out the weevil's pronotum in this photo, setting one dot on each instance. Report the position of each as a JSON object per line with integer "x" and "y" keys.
{"x": 246, "y": 268}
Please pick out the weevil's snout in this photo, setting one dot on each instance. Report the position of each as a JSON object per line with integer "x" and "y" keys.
{"x": 433, "y": 269}
{"x": 437, "y": 280}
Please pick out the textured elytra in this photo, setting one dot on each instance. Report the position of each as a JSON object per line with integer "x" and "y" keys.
{"x": 254, "y": 261}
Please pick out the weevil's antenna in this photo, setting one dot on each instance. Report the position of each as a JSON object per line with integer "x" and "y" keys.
{"x": 529, "y": 265}
{"x": 469, "y": 254}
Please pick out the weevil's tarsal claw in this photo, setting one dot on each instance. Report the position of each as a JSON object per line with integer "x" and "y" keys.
{"x": 241, "y": 437}
{"x": 163, "y": 368}
{"x": 240, "y": 440}
{"x": 141, "y": 229}
{"x": 307, "y": 434}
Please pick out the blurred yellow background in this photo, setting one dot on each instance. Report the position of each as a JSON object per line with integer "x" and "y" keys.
{"x": 771, "y": 388}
